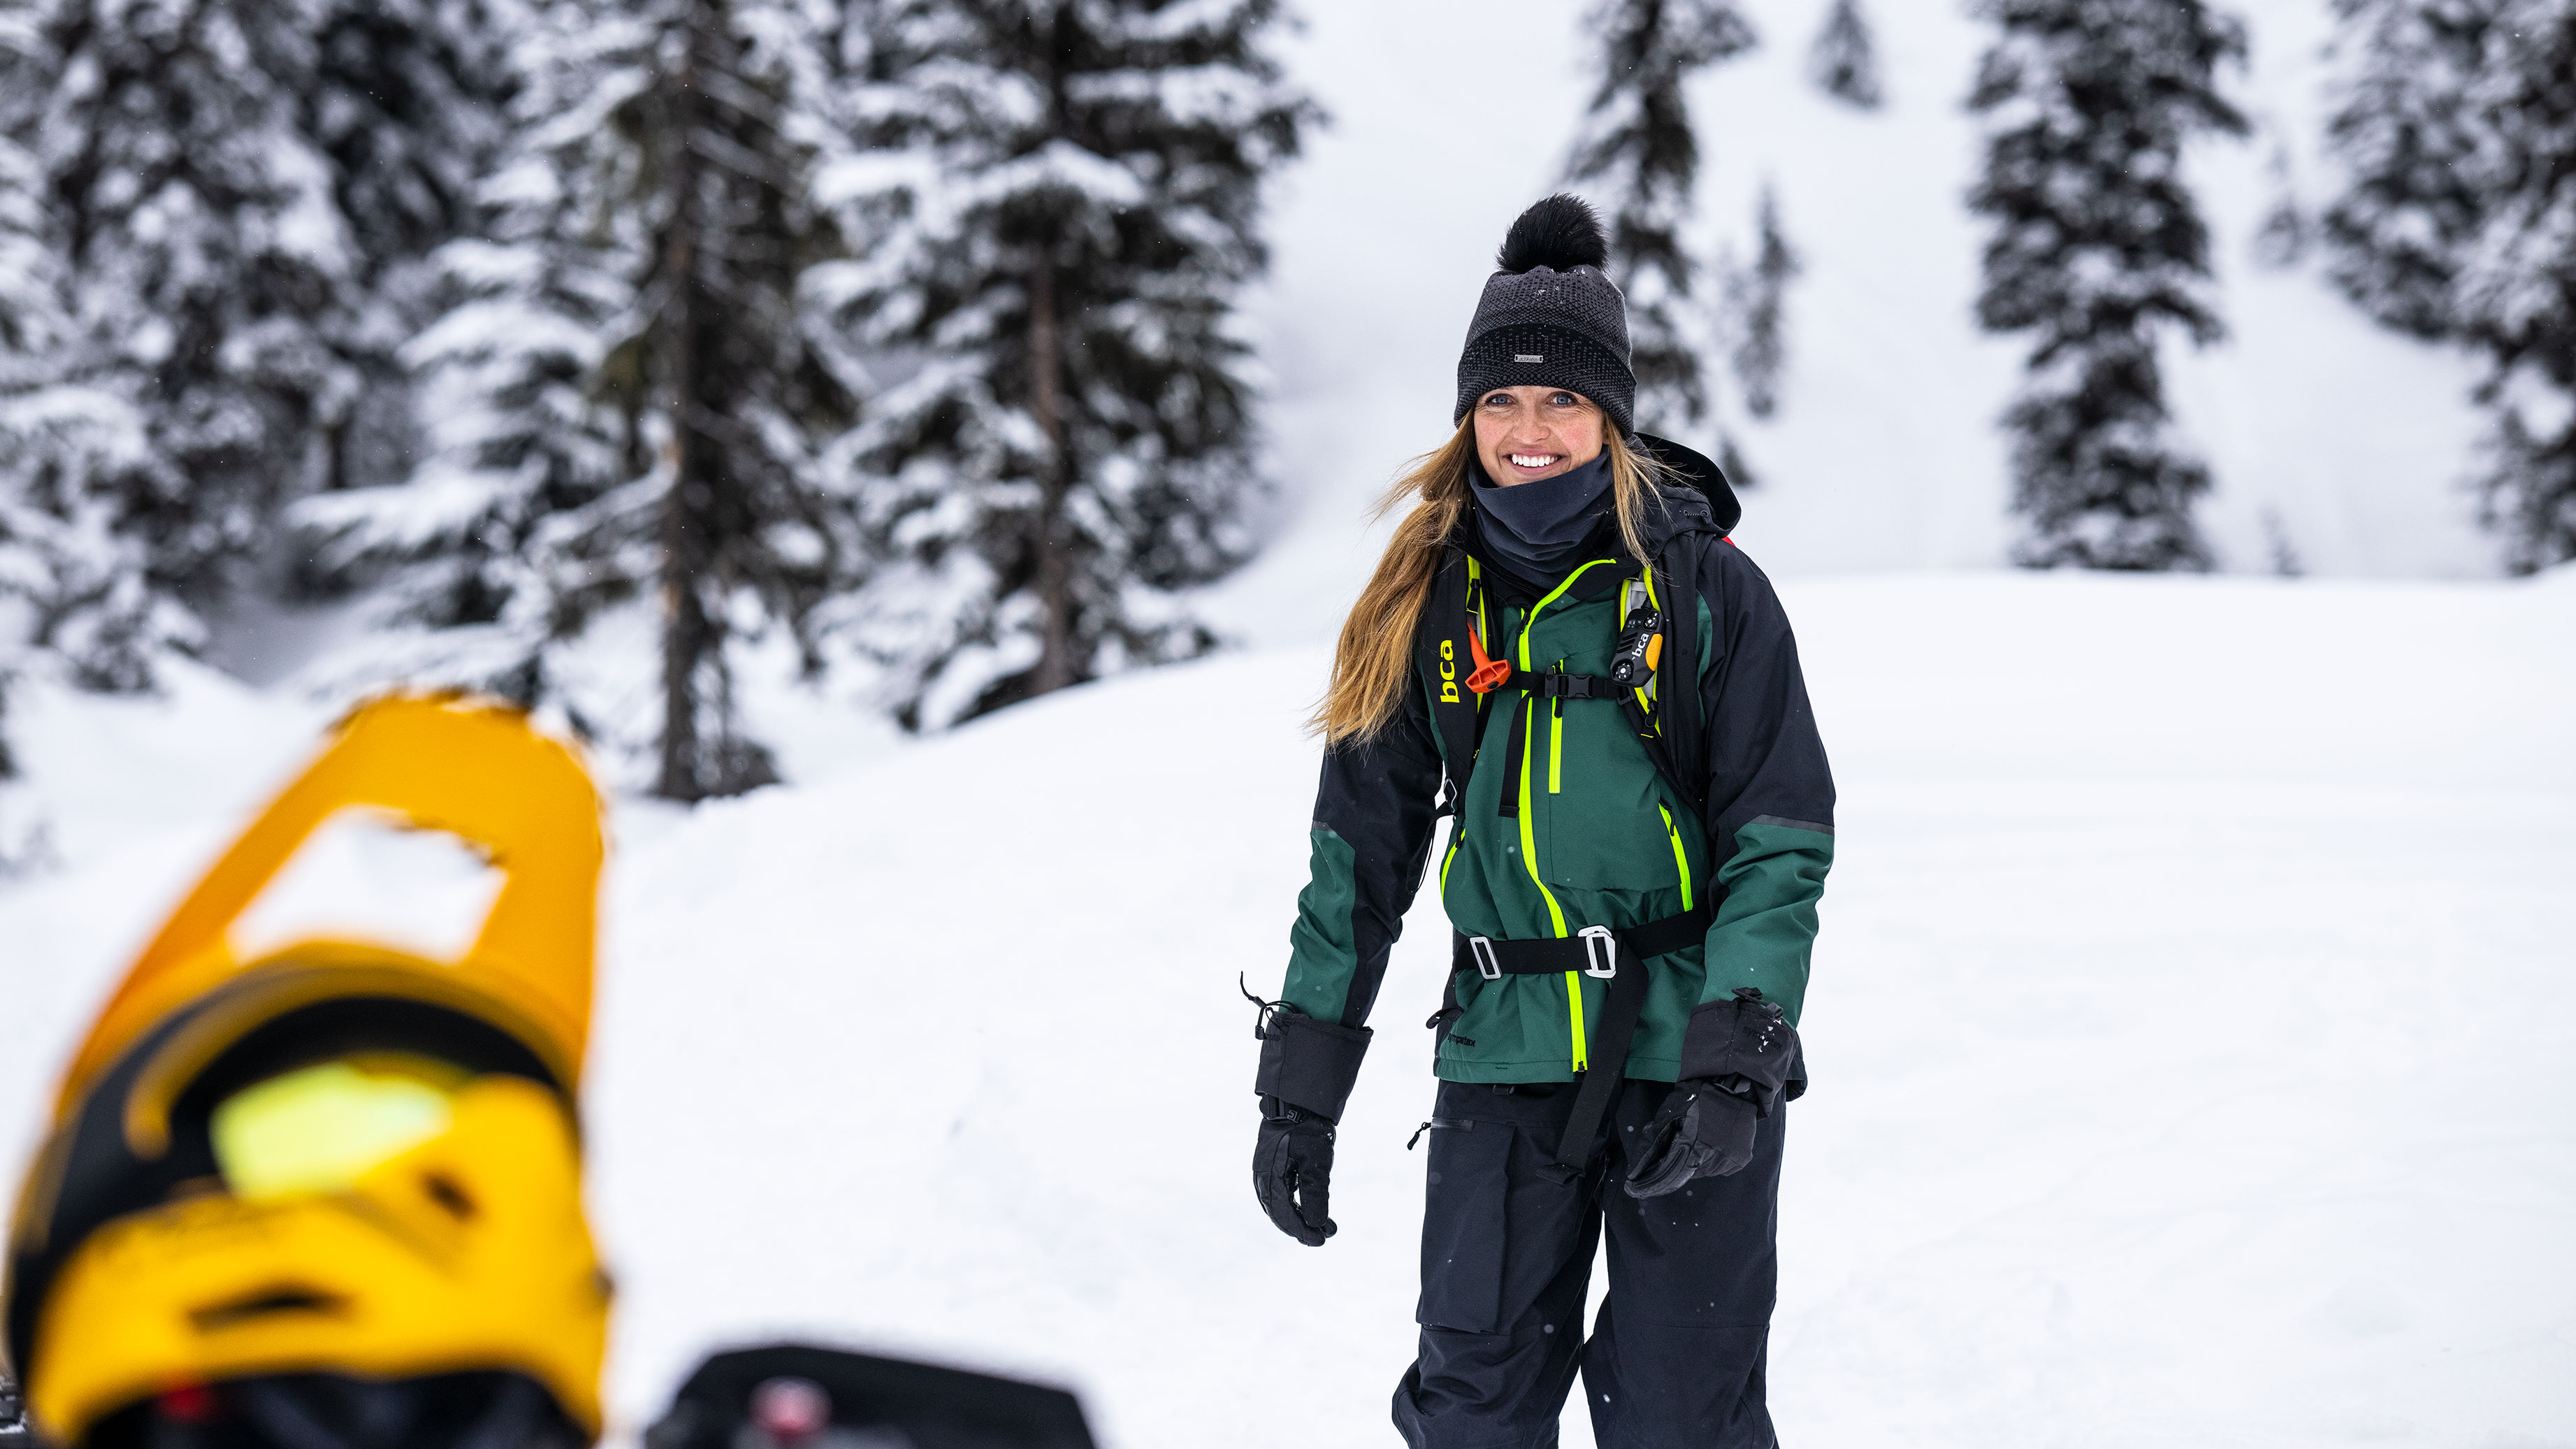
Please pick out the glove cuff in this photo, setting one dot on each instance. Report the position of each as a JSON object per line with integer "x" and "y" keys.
{"x": 1748, "y": 1037}
{"x": 1309, "y": 1063}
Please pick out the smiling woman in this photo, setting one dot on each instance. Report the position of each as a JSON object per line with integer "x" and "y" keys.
{"x": 1632, "y": 874}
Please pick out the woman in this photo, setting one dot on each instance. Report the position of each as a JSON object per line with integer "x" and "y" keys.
{"x": 1642, "y": 822}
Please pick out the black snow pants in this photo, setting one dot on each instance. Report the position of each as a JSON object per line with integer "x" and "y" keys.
{"x": 1676, "y": 1357}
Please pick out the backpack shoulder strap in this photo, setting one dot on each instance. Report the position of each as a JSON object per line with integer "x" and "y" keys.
{"x": 1684, "y": 729}
{"x": 1443, "y": 651}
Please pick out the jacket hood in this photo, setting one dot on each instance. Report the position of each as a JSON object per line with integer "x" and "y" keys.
{"x": 1675, "y": 511}
{"x": 1702, "y": 478}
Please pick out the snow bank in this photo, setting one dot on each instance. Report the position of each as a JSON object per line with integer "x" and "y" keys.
{"x": 2189, "y": 1027}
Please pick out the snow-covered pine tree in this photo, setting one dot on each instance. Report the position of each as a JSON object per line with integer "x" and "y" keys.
{"x": 1844, "y": 60}
{"x": 71, "y": 586}
{"x": 627, "y": 402}
{"x": 1637, "y": 152}
{"x": 1761, "y": 308}
{"x": 2404, "y": 129}
{"x": 408, "y": 105}
{"x": 229, "y": 193}
{"x": 2098, "y": 247}
{"x": 531, "y": 409}
{"x": 2458, "y": 223}
{"x": 1060, "y": 214}
{"x": 208, "y": 265}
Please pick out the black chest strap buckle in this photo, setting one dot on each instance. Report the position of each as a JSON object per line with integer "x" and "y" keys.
{"x": 1569, "y": 686}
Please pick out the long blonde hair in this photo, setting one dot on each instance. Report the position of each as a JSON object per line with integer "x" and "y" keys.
{"x": 1376, "y": 646}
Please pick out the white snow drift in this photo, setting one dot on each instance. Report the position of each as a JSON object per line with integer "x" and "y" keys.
{"x": 2190, "y": 1028}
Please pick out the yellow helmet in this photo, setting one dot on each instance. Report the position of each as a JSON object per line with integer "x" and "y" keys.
{"x": 337, "y": 1162}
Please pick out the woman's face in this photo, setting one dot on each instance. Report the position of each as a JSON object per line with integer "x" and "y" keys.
{"x": 1524, "y": 434}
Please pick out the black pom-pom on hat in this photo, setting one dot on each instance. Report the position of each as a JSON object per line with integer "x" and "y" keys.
{"x": 1560, "y": 232}
{"x": 1551, "y": 317}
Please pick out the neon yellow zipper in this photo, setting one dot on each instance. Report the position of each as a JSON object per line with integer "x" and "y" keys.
{"x": 1529, "y": 841}
{"x": 1574, "y": 1014}
{"x": 1556, "y": 712}
{"x": 1541, "y": 606}
{"x": 1681, "y": 861}
{"x": 1555, "y": 741}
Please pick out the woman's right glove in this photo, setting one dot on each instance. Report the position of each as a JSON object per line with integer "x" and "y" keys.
{"x": 1292, "y": 1171}
{"x": 1307, "y": 1068}
{"x": 1740, "y": 1057}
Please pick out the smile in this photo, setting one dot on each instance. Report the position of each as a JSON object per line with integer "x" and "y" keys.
{"x": 1533, "y": 461}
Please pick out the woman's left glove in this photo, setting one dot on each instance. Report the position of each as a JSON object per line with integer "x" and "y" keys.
{"x": 1704, "y": 1130}
{"x": 1740, "y": 1059}
{"x": 1292, "y": 1171}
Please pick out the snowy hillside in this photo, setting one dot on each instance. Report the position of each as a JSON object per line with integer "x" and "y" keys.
{"x": 1885, "y": 453}
{"x": 2189, "y": 1026}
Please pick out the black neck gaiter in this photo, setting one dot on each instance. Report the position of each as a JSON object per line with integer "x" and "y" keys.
{"x": 1536, "y": 529}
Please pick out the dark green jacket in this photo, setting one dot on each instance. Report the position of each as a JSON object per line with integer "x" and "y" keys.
{"x": 1568, "y": 824}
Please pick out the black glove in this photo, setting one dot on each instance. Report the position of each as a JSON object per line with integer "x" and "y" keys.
{"x": 1704, "y": 1130}
{"x": 1740, "y": 1057}
{"x": 1292, "y": 1171}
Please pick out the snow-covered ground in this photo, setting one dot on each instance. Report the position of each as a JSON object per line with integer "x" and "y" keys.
{"x": 2191, "y": 1025}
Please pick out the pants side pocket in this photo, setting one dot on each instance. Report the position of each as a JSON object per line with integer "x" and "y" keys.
{"x": 1464, "y": 1226}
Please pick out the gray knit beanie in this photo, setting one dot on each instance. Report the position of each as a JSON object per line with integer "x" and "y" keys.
{"x": 1550, "y": 317}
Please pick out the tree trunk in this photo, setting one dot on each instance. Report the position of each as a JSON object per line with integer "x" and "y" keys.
{"x": 1056, "y": 665}
{"x": 685, "y": 536}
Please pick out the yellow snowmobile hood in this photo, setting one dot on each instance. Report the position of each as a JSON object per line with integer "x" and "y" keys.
{"x": 335, "y": 1158}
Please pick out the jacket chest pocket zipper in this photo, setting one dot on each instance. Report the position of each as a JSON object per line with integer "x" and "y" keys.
{"x": 1556, "y": 741}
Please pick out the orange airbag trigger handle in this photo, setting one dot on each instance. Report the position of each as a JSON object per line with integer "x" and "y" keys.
{"x": 1489, "y": 674}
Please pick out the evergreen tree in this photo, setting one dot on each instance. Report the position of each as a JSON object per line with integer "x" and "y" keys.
{"x": 1637, "y": 149}
{"x": 71, "y": 586}
{"x": 1844, "y": 60}
{"x": 629, "y": 405}
{"x": 1761, "y": 300}
{"x": 2458, "y": 131}
{"x": 408, "y": 106}
{"x": 209, "y": 268}
{"x": 226, "y": 195}
{"x": 1059, "y": 217}
{"x": 2097, "y": 247}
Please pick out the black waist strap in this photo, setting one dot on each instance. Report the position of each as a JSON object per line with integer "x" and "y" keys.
{"x": 1595, "y": 949}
